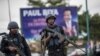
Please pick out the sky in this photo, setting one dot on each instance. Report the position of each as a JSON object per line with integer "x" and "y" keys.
{"x": 15, "y": 5}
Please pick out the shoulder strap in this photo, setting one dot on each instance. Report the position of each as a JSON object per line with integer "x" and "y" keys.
{"x": 20, "y": 37}
{"x": 58, "y": 29}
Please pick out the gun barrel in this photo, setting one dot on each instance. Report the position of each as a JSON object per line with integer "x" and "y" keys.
{"x": 3, "y": 33}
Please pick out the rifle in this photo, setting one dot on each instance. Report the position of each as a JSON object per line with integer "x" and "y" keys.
{"x": 59, "y": 34}
{"x": 2, "y": 33}
{"x": 18, "y": 51}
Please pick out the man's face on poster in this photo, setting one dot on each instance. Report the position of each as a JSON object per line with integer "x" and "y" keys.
{"x": 67, "y": 15}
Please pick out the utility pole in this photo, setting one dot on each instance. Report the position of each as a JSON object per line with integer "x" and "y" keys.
{"x": 88, "y": 32}
{"x": 9, "y": 11}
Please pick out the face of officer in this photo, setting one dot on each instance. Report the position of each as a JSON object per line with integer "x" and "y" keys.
{"x": 14, "y": 31}
{"x": 51, "y": 22}
{"x": 67, "y": 15}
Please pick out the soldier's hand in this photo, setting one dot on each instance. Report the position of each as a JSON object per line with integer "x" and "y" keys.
{"x": 12, "y": 49}
{"x": 55, "y": 34}
{"x": 49, "y": 34}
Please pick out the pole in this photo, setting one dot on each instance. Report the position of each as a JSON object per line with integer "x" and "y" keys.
{"x": 9, "y": 11}
{"x": 88, "y": 33}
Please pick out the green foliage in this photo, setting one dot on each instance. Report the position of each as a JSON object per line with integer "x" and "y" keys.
{"x": 82, "y": 22}
{"x": 38, "y": 3}
{"x": 94, "y": 22}
{"x": 54, "y": 3}
{"x": 95, "y": 26}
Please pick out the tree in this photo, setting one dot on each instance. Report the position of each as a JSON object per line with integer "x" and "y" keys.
{"x": 94, "y": 22}
{"x": 39, "y": 3}
{"x": 82, "y": 22}
{"x": 36, "y": 3}
{"x": 94, "y": 26}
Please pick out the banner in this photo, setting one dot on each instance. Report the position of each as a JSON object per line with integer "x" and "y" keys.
{"x": 33, "y": 20}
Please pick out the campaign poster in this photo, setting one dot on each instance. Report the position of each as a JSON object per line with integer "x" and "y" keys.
{"x": 33, "y": 21}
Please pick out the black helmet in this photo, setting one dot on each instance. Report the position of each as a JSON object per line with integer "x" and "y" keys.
{"x": 50, "y": 16}
{"x": 13, "y": 25}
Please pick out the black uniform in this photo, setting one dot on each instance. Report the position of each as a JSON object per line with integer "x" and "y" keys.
{"x": 18, "y": 41}
{"x": 54, "y": 47}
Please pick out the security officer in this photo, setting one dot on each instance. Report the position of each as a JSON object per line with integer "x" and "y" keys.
{"x": 52, "y": 40}
{"x": 13, "y": 43}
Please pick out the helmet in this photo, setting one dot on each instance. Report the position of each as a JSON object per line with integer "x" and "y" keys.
{"x": 50, "y": 16}
{"x": 13, "y": 25}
